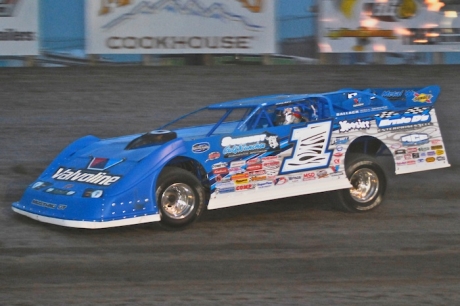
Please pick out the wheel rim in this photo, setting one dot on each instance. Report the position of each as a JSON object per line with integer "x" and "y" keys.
{"x": 365, "y": 184}
{"x": 178, "y": 201}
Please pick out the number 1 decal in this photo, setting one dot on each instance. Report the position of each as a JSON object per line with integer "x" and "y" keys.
{"x": 310, "y": 149}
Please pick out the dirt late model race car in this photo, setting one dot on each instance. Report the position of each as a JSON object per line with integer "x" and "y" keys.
{"x": 240, "y": 152}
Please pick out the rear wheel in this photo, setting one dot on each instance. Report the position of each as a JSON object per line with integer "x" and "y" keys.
{"x": 180, "y": 197}
{"x": 368, "y": 181}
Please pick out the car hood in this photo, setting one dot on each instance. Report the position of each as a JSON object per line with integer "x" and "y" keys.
{"x": 106, "y": 162}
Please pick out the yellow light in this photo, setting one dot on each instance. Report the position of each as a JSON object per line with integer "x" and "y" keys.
{"x": 434, "y": 5}
{"x": 450, "y": 14}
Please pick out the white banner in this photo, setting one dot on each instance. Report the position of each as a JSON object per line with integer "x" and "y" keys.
{"x": 180, "y": 26}
{"x": 387, "y": 26}
{"x": 18, "y": 27}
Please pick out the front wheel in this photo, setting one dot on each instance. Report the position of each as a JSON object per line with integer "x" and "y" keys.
{"x": 180, "y": 197}
{"x": 368, "y": 181}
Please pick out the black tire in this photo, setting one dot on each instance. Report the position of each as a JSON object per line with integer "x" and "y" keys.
{"x": 369, "y": 185}
{"x": 180, "y": 198}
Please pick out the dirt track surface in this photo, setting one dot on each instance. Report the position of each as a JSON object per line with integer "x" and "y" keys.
{"x": 294, "y": 251}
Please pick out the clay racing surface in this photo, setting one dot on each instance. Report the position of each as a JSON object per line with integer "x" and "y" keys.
{"x": 296, "y": 251}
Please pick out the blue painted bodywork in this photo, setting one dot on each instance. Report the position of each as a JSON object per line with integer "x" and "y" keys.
{"x": 101, "y": 180}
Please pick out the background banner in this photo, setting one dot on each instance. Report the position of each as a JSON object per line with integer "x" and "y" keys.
{"x": 18, "y": 27}
{"x": 180, "y": 26}
{"x": 387, "y": 26}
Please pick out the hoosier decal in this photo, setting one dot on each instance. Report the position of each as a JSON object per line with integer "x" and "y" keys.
{"x": 100, "y": 178}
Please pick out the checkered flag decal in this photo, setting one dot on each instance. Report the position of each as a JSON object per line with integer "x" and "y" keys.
{"x": 416, "y": 110}
{"x": 384, "y": 115}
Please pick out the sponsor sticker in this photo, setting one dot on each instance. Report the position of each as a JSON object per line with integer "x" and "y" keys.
{"x": 99, "y": 178}
{"x": 309, "y": 176}
{"x": 201, "y": 147}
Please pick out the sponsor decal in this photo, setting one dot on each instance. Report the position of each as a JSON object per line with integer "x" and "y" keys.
{"x": 43, "y": 204}
{"x": 415, "y": 155}
{"x": 338, "y": 154}
{"x": 222, "y": 170}
{"x": 269, "y": 158}
{"x": 254, "y": 144}
{"x": 60, "y": 191}
{"x": 225, "y": 187}
{"x": 401, "y": 163}
{"x": 254, "y": 167}
{"x": 414, "y": 117}
{"x": 101, "y": 164}
{"x": 440, "y": 152}
{"x": 440, "y": 158}
{"x": 415, "y": 139}
{"x": 335, "y": 168}
{"x": 213, "y": 155}
{"x": 422, "y": 97}
{"x": 393, "y": 95}
{"x": 395, "y": 146}
{"x": 340, "y": 140}
{"x": 235, "y": 170}
{"x": 275, "y": 164}
{"x": 322, "y": 173}
{"x": 257, "y": 160}
{"x": 255, "y": 178}
{"x": 399, "y": 157}
{"x": 219, "y": 165}
{"x": 420, "y": 160}
{"x": 412, "y": 150}
{"x": 295, "y": 178}
{"x": 237, "y": 164}
{"x": 99, "y": 178}
{"x": 401, "y": 151}
{"x": 430, "y": 159}
{"x": 423, "y": 149}
{"x": 241, "y": 181}
{"x": 410, "y": 162}
{"x": 436, "y": 141}
{"x": 346, "y": 126}
{"x": 431, "y": 153}
{"x": 309, "y": 176}
{"x": 408, "y": 156}
{"x": 240, "y": 176}
{"x": 439, "y": 147}
{"x": 245, "y": 187}
{"x": 201, "y": 147}
{"x": 337, "y": 161}
{"x": 354, "y": 112}
{"x": 280, "y": 181}
{"x": 264, "y": 184}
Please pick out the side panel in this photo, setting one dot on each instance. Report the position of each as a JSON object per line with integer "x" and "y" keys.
{"x": 278, "y": 162}
{"x": 266, "y": 165}
{"x": 416, "y": 143}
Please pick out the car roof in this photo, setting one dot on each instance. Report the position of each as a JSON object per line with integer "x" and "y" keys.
{"x": 260, "y": 101}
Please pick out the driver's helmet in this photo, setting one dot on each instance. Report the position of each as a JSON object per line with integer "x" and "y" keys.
{"x": 289, "y": 115}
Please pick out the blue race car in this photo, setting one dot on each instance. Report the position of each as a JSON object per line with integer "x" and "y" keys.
{"x": 240, "y": 152}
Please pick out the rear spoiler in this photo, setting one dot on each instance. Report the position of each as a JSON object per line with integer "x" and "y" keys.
{"x": 410, "y": 96}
